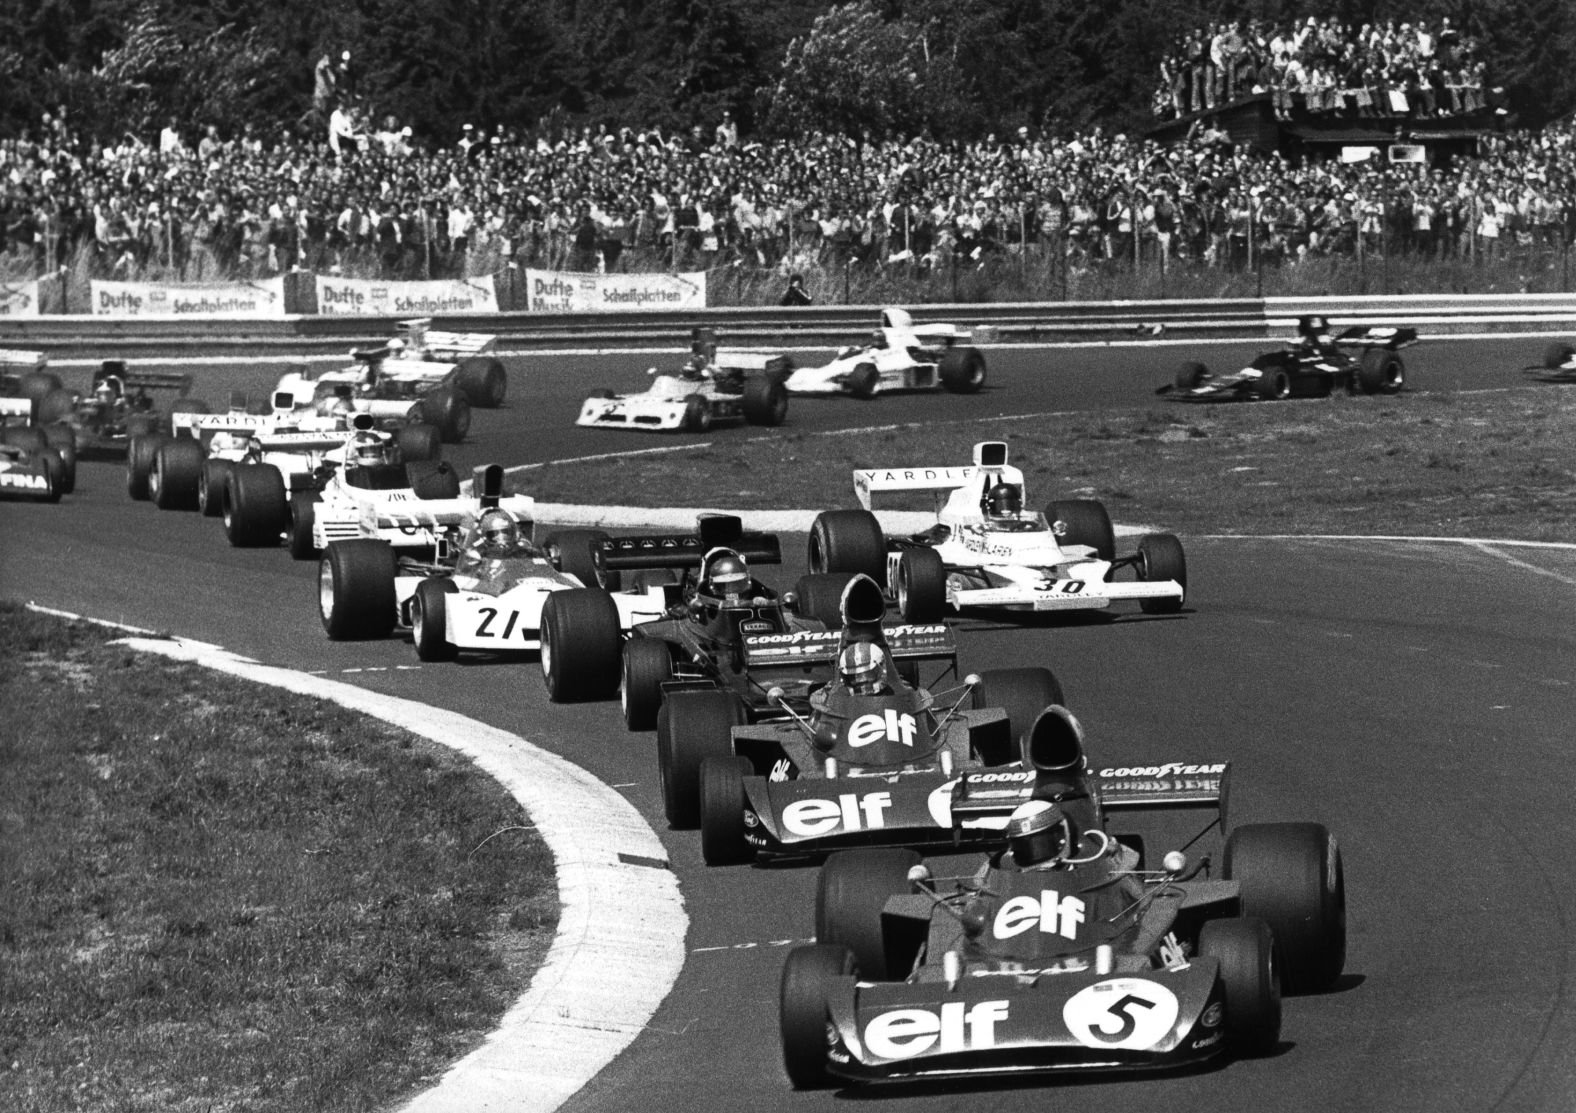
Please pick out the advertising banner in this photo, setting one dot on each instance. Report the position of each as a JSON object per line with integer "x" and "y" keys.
{"x": 354, "y": 297}
{"x": 263, "y": 298}
{"x": 18, "y": 299}
{"x": 563, "y": 292}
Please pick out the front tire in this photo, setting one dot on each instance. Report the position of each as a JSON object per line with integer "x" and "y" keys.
{"x": 1083, "y": 522}
{"x": 1160, "y": 557}
{"x": 482, "y": 381}
{"x": 581, "y": 639}
{"x": 647, "y": 665}
{"x": 211, "y": 485}
{"x": 256, "y": 508}
{"x": 863, "y": 380}
{"x": 921, "y": 586}
{"x": 140, "y": 453}
{"x": 697, "y": 414}
{"x": 1245, "y": 950}
{"x": 963, "y": 370}
{"x": 765, "y": 401}
{"x": 691, "y": 727}
{"x": 303, "y": 517}
{"x": 850, "y": 893}
{"x": 803, "y": 1011}
{"x": 722, "y": 804}
{"x": 429, "y": 619}
{"x": 355, "y": 589}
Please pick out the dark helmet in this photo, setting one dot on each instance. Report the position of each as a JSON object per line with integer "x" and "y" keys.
{"x": 496, "y": 532}
{"x": 1004, "y": 500}
{"x": 726, "y": 574}
{"x": 862, "y": 666}
{"x": 1039, "y": 834}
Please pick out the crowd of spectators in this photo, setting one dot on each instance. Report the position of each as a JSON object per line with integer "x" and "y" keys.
{"x": 606, "y": 198}
{"x": 1324, "y": 67}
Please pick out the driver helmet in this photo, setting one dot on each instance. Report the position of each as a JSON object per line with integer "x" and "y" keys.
{"x": 727, "y": 574}
{"x": 368, "y": 450}
{"x": 1039, "y": 834}
{"x": 396, "y": 347}
{"x": 107, "y": 389}
{"x": 497, "y": 533}
{"x": 862, "y": 666}
{"x": 1004, "y": 500}
{"x": 1311, "y": 327}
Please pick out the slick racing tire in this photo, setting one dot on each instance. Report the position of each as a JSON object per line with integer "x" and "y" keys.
{"x": 722, "y": 803}
{"x": 355, "y": 589}
{"x": 850, "y": 893}
{"x": 482, "y": 381}
{"x": 1380, "y": 371}
{"x": 256, "y": 507}
{"x": 303, "y": 516}
{"x": 647, "y": 665}
{"x": 1274, "y": 384}
{"x": 1291, "y": 877}
{"x": 691, "y": 727}
{"x": 140, "y": 451}
{"x": 1022, "y": 693}
{"x": 429, "y": 619}
{"x": 63, "y": 439}
{"x": 433, "y": 480}
{"x": 449, "y": 412}
{"x": 573, "y": 552}
{"x": 1245, "y": 948}
{"x": 697, "y": 415}
{"x": 848, "y": 541}
{"x": 35, "y": 386}
{"x": 418, "y": 441}
{"x": 921, "y": 586}
{"x": 211, "y": 483}
{"x": 962, "y": 370}
{"x": 1160, "y": 557}
{"x": 803, "y": 1010}
{"x": 177, "y": 469}
{"x": 55, "y": 471}
{"x": 1189, "y": 375}
{"x": 765, "y": 401}
{"x": 1083, "y": 522}
{"x": 1555, "y": 355}
{"x": 56, "y": 406}
{"x": 142, "y": 425}
{"x": 581, "y": 639}
{"x": 819, "y": 596}
{"x": 863, "y": 380}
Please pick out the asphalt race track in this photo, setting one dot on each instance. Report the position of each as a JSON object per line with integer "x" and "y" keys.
{"x": 1417, "y": 698}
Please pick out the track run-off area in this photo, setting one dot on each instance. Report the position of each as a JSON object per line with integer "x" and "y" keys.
{"x": 1416, "y": 696}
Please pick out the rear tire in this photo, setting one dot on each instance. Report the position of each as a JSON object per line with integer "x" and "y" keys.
{"x": 1084, "y": 522}
{"x": 921, "y": 586}
{"x": 819, "y": 596}
{"x": 1555, "y": 355}
{"x": 449, "y": 411}
{"x": 303, "y": 516}
{"x": 848, "y": 541}
{"x": 573, "y": 552}
{"x": 1022, "y": 693}
{"x": 482, "y": 381}
{"x": 1161, "y": 558}
{"x": 722, "y": 804}
{"x": 1292, "y": 878}
{"x": 429, "y": 620}
{"x": 177, "y": 469}
{"x": 697, "y": 415}
{"x": 803, "y": 1011}
{"x": 1274, "y": 384}
{"x": 1245, "y": 949}
{"x": 691, "y": 727}
{"x": 355, "y": 585}
{"x": 963, "y": 370}
{"x": 850, "y": 893}
{"x": 430, "y": 480}
{"x": 581, "y": 640}
{"x": 765, "y": 401}
{"x": 417, "y": 442}
{"x": 647, "y": 665}
{"x": 1190, "y": 375}
{"x": 256, "y": 508}
{"x": 140, "y": 452}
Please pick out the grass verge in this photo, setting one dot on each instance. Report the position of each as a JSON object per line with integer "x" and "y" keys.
{"x": 222, "y": 896}
{"x": 1494, "y": 464}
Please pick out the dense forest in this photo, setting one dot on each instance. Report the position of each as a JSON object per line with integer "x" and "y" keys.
{"x": 949, "y": 68}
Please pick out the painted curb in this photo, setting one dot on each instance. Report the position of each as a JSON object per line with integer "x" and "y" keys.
{"x": 619, "y": 946}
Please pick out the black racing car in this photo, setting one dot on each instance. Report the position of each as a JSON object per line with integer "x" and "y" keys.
{"x": 1558, "y": 366}
{"x": 1087, "y": 945}
{"x": 1365, "y": 360}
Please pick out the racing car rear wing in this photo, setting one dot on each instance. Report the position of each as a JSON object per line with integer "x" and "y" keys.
{"x": 449, "y": 346}
{"x": 680, "y": 550}
{"x": 142, "y": 380}
{"x": 224, "y": 423}
{"x": 996, "y": 792}
{"x": 442, "y": 513}
{"x": 1377, "y": 335}
{"x": 817, "y": 647}
{"x": 18, "y": 361}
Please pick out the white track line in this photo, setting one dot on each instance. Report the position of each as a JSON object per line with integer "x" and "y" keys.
{"x": 619, "y": 945}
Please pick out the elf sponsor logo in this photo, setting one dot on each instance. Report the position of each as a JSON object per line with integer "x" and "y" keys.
{"x": 850, "y": 811}
{"x": 1173, "y": 769}
{"x": 1052, "y": 913}
{"x": 23, "y": 481}
{"x": 889, "y": 725}
{"x": 955, "y": 1026}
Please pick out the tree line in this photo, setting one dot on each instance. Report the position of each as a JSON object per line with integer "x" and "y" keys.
{"x": 944, "y": 68}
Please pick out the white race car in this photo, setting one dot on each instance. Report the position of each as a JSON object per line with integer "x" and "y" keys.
{"x": 419, "y": 376}
{"x": 481, "y": 593}
{"x": 713, "y": 387}
{"x": 902, "y": 356}
{"x": 189, "y": 468}
{"x": 986, "y": 552}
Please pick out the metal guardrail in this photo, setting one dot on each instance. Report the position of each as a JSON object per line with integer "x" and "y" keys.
{"x": 814, "y": 325}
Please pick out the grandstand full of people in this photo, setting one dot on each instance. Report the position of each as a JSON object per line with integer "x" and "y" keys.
{"x": 355, "y": 192}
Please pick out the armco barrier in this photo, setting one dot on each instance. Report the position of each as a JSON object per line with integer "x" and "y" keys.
{"x": 814, "y": 325}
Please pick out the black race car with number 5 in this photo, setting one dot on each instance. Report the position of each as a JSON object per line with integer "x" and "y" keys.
{"x": 870, "y": 758}
{"x": 1366, "y": 360}
{"x": 1074, "y": 948}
